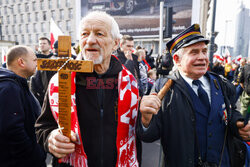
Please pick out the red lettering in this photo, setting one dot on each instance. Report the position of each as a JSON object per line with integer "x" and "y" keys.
{"x": 91, "y": 83}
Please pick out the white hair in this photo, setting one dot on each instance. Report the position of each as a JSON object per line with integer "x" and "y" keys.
{"x": 115, "y": 31}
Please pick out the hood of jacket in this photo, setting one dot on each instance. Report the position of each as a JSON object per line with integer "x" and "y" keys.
{"x": 6, "y": 74}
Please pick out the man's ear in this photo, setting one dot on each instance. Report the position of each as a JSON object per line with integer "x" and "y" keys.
{"x": 116, "y": 44}
{"x": 20, "y": 62}
{"x": 176, "y": 58}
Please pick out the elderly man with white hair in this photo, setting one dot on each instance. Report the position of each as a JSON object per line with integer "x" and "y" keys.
{"x": 104, "y": 106}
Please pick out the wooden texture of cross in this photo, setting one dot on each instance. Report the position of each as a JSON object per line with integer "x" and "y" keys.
{"x": 64, "y": 65}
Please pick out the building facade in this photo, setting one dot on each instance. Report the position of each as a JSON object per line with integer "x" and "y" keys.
{"x": 242, "y": 34}
{"x": 24, "y": 21}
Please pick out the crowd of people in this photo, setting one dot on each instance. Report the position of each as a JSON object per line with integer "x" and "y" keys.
{"x": 197, "y": 120}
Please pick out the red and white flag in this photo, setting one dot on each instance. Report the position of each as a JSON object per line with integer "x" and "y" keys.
{"x": 55, "y": 31}
{"x": 218, "y": 58}
{"x": 237, "y": 59}
{"x": 4, "y": 52}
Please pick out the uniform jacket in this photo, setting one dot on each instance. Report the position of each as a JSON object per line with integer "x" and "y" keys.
{"x": 18, "y": 112}
{"x": 174, "y": 124}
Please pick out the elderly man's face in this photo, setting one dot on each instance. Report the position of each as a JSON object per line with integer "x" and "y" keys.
{"x": 96, "y": 40}
{"x": 194, "y": 61}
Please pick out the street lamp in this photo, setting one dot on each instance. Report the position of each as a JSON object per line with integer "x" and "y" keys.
{"x": 1, "y": 37}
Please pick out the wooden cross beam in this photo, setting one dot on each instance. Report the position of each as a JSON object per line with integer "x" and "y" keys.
{"x": 64, "y": 65}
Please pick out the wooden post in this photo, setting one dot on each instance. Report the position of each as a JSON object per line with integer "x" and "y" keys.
{"x": 64, "y": 65}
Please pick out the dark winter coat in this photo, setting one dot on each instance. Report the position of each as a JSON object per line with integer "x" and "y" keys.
{"x": 18, "y": 112}
{"x": 174, "y": 125}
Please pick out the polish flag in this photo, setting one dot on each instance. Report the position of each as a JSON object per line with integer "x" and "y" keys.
{"x": 218, "y": 58}
{"x": 237, "y": 59}
{"x": 55, "y": 31}
{"x": 4, "y": 52}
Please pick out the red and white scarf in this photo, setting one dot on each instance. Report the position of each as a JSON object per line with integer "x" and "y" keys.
{"x": 127, "y": 115}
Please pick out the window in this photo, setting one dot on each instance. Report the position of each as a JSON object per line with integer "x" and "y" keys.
{"x": 30, "y": 38}
{"x": 34, "y": 27}
{"x": 34, "y": 6}
{"x": 27, "y": 28}
{"x": 29, "y": 17}
{"x": 67, "y": 3}
{"x": 8, "y": 19}
{"x": 13, "y": 29}
{"x": 58, "y": 3}
{"x": 22, "y": 18}
{"x": 44, "y": 16}
{"x": 53, "y": 14}
{"x": 23, "y": 39}
{"x": 11, "y": 9}
{"x": 19, "y": 8}
{"x": 26, "y": 7}
{"x": 61, "y": 14}
{"x": 20, "y": 28}
{"x": 6, "y": 30}
{"x": 9, "y": 38}
{"x": 5, "y": 10}
{"x": 14, "y": 19}
{"x": 49, "y": 4}
{"x": 43, "y": 27}
{"x": 16, "y": 39}
{"x": 42, "y": 5}
{"x": 68, "y": 25}
{"x": 36, "y": 16}
{"x": 13, "y": 1}
{"x": 71, "y": 13}
{"x": 37, "y": 38}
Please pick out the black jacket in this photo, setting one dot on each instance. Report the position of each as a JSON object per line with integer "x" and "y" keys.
{"x": 174, "y": 124}
{"x": 39, "y": 83}
{"x": 97, "y": 113}
{"x": 18, "y": 112}
{"x": 132, "y": 66}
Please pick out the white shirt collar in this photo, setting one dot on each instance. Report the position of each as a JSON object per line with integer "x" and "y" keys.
{"x": 205, "y": 84}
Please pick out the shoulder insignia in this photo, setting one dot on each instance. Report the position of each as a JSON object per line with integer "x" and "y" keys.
{"x": 216, "y": 84}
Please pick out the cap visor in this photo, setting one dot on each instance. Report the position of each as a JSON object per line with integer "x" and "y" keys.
{"x": 196, "y": 41}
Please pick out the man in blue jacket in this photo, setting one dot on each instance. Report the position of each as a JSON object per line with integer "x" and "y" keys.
{"x": 18, "y": 112}
{"x": 197, "y": 124}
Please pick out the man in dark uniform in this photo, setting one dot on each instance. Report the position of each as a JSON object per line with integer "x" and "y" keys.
{"x": 196, "y": 123}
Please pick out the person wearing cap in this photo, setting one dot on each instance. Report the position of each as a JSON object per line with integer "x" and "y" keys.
{"x": 195, "y": 122}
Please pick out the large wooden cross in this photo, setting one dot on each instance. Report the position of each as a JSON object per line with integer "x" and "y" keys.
{"x": 64, "y": 65}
